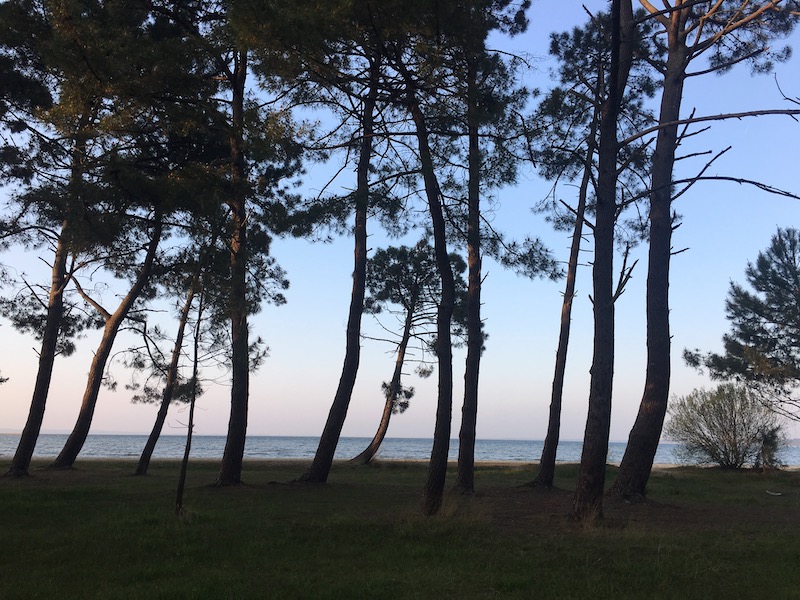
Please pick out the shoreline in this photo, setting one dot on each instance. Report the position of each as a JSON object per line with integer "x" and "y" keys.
{"x": 299, "y": 450}
{"x": 300, "y": 463}
{"x": 344, "y": 461}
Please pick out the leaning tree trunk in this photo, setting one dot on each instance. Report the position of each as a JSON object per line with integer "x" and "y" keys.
{"x": 588, "y": 501}
{"x": 465, "y": 478}
{"x": 169, "y": 386}
{"x": 47, "y": 354}
{"x": 192, "y": 402}
{"x": 437, "y": 468}
{"x": 80, "y": 431}
{"x": 321, "y": 465}
{"x": 547, "y": 463}
{"x": 20, "y": 464}
{"x": 643, "y": 440}
{"x": 395, "y": 386}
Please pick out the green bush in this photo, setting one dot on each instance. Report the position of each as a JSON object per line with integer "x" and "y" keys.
{"x": 728, "y": 426}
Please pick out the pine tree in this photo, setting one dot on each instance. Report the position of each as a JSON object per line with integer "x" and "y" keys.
{"x": 728, "y": 33}
{"x": 763, "y": 346}
{"x": 403, "y": 282}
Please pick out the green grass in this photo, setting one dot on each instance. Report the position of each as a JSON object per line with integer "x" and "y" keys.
{"x": 97, "y": 532}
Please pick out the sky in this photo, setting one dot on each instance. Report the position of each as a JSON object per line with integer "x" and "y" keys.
{"x": 725, "y": 225}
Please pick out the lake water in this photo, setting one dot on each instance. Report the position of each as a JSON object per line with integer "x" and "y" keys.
{"x": 276, "y": 447}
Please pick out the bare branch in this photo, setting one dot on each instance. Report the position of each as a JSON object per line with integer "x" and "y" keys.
{"x": 721, "y": 117}
{"x": 625, "y": 273}
{"x": 103, "y": 312}
{"x": 741, "y": 180}
{"x": 34, "y": 294}
{"x": 697, "y": 178}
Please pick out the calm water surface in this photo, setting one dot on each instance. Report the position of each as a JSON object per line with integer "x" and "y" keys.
{"x": 171, "y": 446}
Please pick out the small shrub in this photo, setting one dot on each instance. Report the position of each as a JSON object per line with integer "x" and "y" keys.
{"x": 728, "y": 426}
{"x": 771, "y": 443}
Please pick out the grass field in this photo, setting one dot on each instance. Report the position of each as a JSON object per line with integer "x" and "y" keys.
{"x": 97, "y": 532}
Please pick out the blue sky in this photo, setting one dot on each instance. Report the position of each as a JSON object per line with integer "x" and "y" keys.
{"x": 724, "y": 226}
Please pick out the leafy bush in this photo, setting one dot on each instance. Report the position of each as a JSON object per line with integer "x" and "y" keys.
{"x": 728, "y": 426}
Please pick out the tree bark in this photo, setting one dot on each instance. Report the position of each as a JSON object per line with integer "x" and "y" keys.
{"x": 394, "y": 391}
{"x": 588, "y": 501}
{"x": 169, "y": 386}
{"x": 465, "y": 477}
{"x": 230, "y": 472}
{"x": 637, "y": 462}
{"x": 80, "y": 431}
{"x": 321, "y": 465}
{"x": 20, "y": 464}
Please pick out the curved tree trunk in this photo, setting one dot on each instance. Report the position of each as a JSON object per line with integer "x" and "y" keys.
{"x": 80, "y": 431}
{"x": 59, "y": 278}
{"x": 395, "y": 386}
{"x": 465, "y": 478}
{"x": 230, "y": 472}
{"x": 643, "y": 440}
{"x": 588, "y": 501}
{"x": 47, "y": 354}
{"x": 366, "y": 456}
{"x": 437, "y": 469}
{"x": 321, "y": 465}
{"x": 169, "y": 386}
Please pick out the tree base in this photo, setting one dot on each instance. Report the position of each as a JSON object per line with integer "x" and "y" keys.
{"x": 226, "y": 483}
{"x": 312, "y": 478}
{"x": 463, "y": 490}
{"x": 590, "y": 517}
{"x": 431, "y": 506}
{"x": 16, "y": 473}
{"x": 361, "y": 459}
{"x": 543, "y": 480}
{"x": 629, "y": 495}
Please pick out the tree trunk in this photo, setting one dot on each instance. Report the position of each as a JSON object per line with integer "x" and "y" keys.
{"x": 394, "y": 391}
{"x": 465, "y": 478}
{"x": 230, "y": 472}
{"x": 192, "y": 402}
{"x": 437, "y": 468}
{"x": 588, "y": 501}
{"x": 186, "y": 451}
{"x": 55, "y": 311}
{"x": 643, "y": 440}
{"x": 321, "y": 465}
{"x": 547, "y": 463}
{"x": 169, "y": 386}
{"x": 366, "y": 456}
{"x": 20, "y": 464}
{"x": 80, "y": 431}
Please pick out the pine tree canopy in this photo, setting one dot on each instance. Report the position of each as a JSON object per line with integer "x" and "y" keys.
{"x": 763, "y": 346}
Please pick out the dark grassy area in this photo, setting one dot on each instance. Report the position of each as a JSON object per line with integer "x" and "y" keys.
{"x": 97, "y": 532}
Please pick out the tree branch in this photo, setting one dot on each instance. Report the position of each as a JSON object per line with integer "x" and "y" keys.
{"x": 103, "y": 312}
{"x": 721, "y": 117}
{"x": 741, "y": 180}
